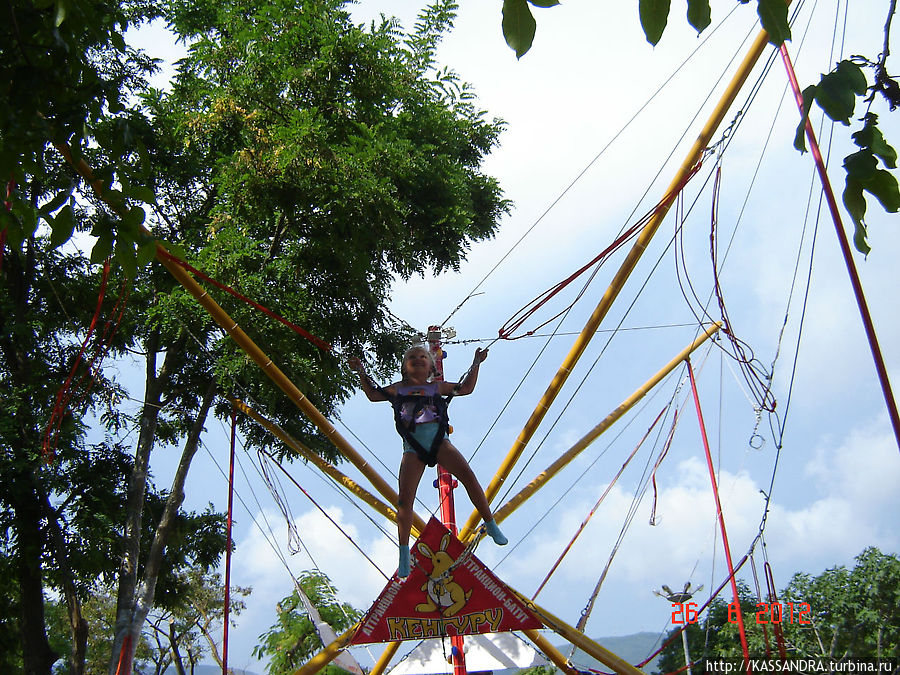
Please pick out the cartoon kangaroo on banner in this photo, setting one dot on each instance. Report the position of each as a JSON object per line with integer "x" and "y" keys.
{"x": 461, "y": 596}
{"x": 442, "y": 591}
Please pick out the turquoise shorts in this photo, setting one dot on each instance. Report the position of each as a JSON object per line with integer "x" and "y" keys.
{"x": 424, "y": 434}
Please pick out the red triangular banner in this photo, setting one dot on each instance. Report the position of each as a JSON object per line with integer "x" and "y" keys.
{"x": 446, "y": 593}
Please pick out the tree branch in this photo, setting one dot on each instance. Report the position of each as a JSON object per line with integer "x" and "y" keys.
{"x": 173, "y": 503}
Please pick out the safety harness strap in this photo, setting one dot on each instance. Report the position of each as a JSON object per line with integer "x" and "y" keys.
{"x": 427, "y": 455}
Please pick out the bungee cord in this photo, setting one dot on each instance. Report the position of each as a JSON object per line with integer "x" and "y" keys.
{"x": 637, "y": 498}
{"x": 593, "y": 510}
{"x": 521, "y": 316}
{"x": 565, "y": 493}
{"x": 531, "y": 334}
{"x": 270, "y": 537}
{"x": 246, "y": 394}
{"x": 758, "y": 378}
{"x": 48, "y": 443}
{"x": 321, "y": 344}
{"x": 781, "y": 422}
{"x": 267, "y": 455}
{"x": 514, "y": 482}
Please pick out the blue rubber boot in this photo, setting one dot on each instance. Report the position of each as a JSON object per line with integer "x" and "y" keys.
{"x": 494, "y": 533}
{"x": 403, "y": 567}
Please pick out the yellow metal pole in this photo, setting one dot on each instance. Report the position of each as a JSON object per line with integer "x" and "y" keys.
{"x": 550, "y": 651}
{"x": 577, "y": 638}
{"x": 351, "y": 485}
{"x": 328, "y": 654}
{"x": 616, "y": 285}
{"x": 385, "y": 659}
{"x": 607, "y": 422}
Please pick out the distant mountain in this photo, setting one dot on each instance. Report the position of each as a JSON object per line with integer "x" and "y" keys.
{"x": 210, "y": 670}
{"x": 632, "y": 648}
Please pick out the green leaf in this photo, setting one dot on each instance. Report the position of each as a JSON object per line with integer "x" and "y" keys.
{"x": 132, "y": 221}
{"x": 882, "y": 149}
{"x": 62, "y": 226}
{"x": 800, "y": 137}
{"x": 127, "y": 257}
{"x": 146, "y": 252}
{"x": 883, "y": 186}
{"x": 176, "y": 249}
{"x": 837, "y": 91}
{"x": 856, "y": 207}
{"x": 859, "y": 239}
{"x": 773, "y": 14}
{"x": 544, "y": 3}
{"x": 654, "y": 15}
{"x": 29, "y": 221}
{"x": 15, "y": 235}
{"x": 54, "y": 203}
{"x": 860, "y": 165}
{"x": 142, "y": 193}
{"x": 854, "y": 200}
{"x": 118, "y": 41}
{"x": 863, "y": 138}
{"x": 699, "y": 14}
{"x": 61, "y": 11}
{"x": 145, "y": 163}
{"x": 853, "y": 76}
{"x": 519, "y": 26}
{"x": 103, "y": 248}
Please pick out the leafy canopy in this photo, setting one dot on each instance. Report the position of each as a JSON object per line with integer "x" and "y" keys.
{"x": 293, "y": 638}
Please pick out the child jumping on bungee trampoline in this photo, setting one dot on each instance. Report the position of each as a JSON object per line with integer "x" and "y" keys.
{"x": 420, "y": 413}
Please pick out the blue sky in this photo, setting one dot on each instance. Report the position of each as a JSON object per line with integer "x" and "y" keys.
{"x": 590, "y": 71}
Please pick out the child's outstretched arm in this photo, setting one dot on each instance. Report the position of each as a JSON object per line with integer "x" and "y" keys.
{"x": 365, "y": 381}
{"x": 467, "y": 385}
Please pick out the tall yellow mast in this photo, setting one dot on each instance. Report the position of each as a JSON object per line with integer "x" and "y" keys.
{"x": 618, "y": 282}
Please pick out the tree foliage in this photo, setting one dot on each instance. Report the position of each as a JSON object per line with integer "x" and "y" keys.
{"x": 854, "y": 613}
{"x": 312, "y": 162}
{"x": 67, "y": 72}
{"x": 845, "y": 614}
{"x": 301, "y": 159}
{"x": 867, "y": 169}
{"x": 519, "y": 25}
{"x": 293, "y": 639}
{"x": 175, "y": 638}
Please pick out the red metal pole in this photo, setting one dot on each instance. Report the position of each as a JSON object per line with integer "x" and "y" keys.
{"x": 721, "y": 518}
{"x": 445, "y": 484}
{"x": 846, "y": 253}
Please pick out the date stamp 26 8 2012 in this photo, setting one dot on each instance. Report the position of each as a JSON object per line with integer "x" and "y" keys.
{"x": 767, "y": 612}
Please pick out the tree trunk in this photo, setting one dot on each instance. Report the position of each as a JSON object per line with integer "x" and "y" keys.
{"x": 137, "y": 486}
{"x": 176, "y": 654}
{"x": 37, "y": 656}
{"x": 135, "y": 612}
{"x": 78, "y": 627}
